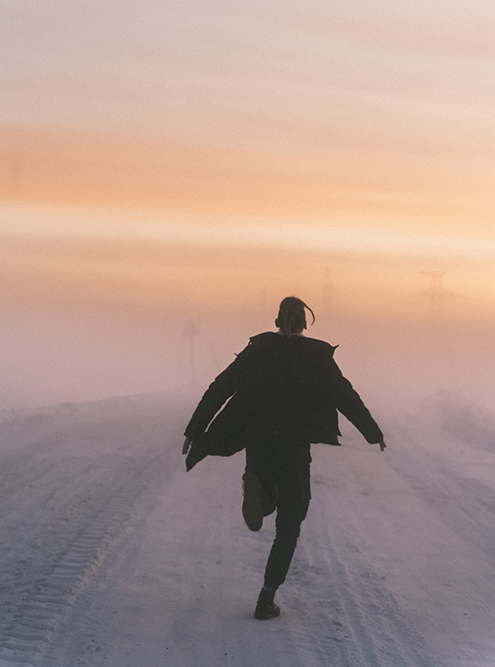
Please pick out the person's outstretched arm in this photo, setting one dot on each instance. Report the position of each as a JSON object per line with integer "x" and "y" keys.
{"x": 350, "y": 404}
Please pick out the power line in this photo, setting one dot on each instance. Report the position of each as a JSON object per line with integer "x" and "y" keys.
{"x": 436, "y": 296}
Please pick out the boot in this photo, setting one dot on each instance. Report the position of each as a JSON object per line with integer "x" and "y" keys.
{"x": 252, "y": 509}
{"x": 266, "y": 607}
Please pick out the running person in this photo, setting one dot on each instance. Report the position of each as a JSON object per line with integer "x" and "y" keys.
{"x": 284, "y": 390}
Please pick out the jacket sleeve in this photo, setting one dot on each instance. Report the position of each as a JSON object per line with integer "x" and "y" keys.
{"x": 349, "y": 403}
{"x": 222, "y": 388}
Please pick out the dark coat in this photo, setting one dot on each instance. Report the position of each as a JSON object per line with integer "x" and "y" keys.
{"x": 291, "y": 385}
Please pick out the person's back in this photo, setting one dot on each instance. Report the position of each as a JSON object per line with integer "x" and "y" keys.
{"x": 283, "y": 378}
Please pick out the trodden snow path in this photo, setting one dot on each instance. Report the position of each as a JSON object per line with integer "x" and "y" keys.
{"x": 112, "y": 556}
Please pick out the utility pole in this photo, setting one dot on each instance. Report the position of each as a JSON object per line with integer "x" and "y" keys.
{"x": 328, "y": 292}
{"x": 438, "y": 336}
{"x": 327, "y": 317}
{"x": 436, "y": 295}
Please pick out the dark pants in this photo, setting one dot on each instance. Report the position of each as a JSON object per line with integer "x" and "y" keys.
{"x": 282, "y": 465}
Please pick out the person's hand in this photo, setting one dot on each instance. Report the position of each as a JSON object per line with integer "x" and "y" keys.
{"x": 382, "y": 445}
{"x": 186, "y": 445}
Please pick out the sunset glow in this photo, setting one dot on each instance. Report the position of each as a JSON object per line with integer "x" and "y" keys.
{"x": 184, "y": 158}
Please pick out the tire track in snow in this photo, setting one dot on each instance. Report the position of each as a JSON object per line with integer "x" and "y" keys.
{"x": 455, "y": 572}
{"x": 347, "y": 603}
{"x": 37, "y": 605}
{"x": 466, "y": 506}
{"x": 90, "y": 501}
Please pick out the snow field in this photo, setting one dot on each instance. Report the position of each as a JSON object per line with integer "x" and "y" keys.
{"x": 112, "y": 556}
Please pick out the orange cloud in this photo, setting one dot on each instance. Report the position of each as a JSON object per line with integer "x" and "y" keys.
{"x": 356, "y": 183}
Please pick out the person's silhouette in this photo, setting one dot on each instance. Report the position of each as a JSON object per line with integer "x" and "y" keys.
{"x": 285, "y": 390}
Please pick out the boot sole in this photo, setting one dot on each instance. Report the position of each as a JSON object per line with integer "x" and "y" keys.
{"x": 267, "y": 614}
{"x": 252, "y": 510}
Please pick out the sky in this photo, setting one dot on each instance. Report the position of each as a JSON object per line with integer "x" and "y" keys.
{"x": 163, "y": 163}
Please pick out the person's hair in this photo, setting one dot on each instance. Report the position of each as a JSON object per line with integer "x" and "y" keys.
{"x": 291, "y": 316}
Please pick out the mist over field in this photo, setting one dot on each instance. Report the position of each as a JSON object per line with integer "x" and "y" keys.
{"x": 112, "y": 555}
{"x": 54, "y": 352}
{"x": 169, "y": 172}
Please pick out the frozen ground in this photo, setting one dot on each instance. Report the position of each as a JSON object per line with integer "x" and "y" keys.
{"x": 111, "y": 555}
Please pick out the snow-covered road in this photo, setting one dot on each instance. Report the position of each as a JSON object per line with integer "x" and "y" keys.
{"x": 111, "y": 555}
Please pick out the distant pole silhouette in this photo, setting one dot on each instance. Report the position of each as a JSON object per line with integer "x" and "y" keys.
{"x": 436, "y": 295}
{"x": 190, "y": 332}
{"x": 327, "y": 300}
{"x": 438, "y": 334}
{"x": 328, "y": 291}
